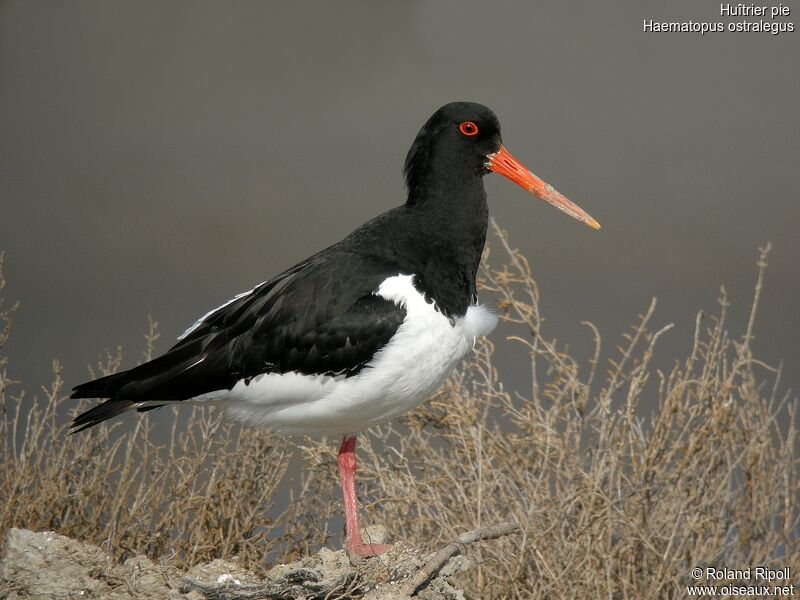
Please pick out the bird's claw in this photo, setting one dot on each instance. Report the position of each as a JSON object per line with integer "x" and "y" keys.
{"x": 357, "y": 552}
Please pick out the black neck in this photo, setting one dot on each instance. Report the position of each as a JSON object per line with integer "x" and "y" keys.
{"x": 437, "y": 235}
{"x": 450, "y": 214}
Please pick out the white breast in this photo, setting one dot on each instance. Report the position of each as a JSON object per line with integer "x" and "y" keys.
{"x": 401, "y": 375}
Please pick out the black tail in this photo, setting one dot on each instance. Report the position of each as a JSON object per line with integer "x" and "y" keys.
{"x": 161, "y": 379}
{"x": 105, "y": 387}
{"x": 101, "y": 412}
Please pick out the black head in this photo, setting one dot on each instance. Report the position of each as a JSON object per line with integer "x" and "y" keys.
{"x": 457, "y": 138}
{"x": 460, "y": 144}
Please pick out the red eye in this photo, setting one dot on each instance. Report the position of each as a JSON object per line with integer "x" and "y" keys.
{"x": 468, "y": 128}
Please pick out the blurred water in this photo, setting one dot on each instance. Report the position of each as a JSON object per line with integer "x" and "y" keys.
{"x": 156, "y": 158}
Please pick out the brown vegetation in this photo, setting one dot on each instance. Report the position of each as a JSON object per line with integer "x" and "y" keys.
{"x": 612, "y": 502}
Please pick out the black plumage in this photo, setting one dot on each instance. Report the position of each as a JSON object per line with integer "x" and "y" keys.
{"x": 322, "y": 316}
{"x": 318, "y": 318}
{"x": 362, "y": 331}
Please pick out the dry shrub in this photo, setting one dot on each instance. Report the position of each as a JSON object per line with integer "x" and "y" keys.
{"x": 204, "y": 493}
{"x": 612, "y": 504}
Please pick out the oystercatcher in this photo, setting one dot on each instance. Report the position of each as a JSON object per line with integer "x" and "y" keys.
{"x": 360, "y": 332}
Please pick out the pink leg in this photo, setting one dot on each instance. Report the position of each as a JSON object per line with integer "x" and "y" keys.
{"x": 347, "y": 475}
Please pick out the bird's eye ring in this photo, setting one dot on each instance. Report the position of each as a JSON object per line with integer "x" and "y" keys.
{"x": 468, "y": 128}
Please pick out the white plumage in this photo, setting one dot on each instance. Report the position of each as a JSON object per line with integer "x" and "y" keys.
{"x": 401, "y": 375}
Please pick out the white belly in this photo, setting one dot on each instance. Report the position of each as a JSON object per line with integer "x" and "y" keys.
{"x": 401, "y": 375}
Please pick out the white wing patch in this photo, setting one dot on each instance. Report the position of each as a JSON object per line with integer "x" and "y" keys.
{"x": 199, "y": 321}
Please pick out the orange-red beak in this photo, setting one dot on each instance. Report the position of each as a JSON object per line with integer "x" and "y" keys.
{"x": 502, "y": 163}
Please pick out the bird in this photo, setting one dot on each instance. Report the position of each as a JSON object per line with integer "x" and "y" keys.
{"x": 360, "y": 332}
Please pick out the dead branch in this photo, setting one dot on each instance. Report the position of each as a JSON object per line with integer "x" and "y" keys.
{"x": 437, "y": 562}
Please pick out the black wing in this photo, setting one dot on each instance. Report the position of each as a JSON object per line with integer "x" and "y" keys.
{"x": 319, "y": 317}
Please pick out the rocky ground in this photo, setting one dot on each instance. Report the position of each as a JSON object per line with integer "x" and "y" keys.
{"x": 47, "y": 565}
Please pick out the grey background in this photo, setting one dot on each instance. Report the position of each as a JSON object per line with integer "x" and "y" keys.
{"x": 158, "y": 157}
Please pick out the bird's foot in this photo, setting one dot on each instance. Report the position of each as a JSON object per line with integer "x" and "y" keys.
{"x": 359, "y": 551}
